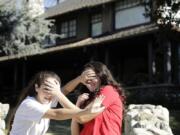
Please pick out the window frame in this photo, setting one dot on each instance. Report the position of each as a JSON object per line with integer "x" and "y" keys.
{"x": 68, "y": 28}
{"x": 125, "y": 5}
{"x": 96, "y": 21}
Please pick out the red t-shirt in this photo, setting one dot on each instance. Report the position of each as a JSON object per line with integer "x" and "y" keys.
{"x": 109, "y": 122}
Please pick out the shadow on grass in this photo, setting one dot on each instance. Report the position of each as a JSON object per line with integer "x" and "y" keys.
{"x": 175, "y": 122}
{"x": 63, "y": 127}
{"x": 59, "y": 128}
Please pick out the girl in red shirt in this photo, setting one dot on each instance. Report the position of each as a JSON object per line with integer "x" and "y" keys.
{"x": 99, "y": 81}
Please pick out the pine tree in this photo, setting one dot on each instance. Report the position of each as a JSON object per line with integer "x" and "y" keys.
{"x": 168, "y": 14}
{"x": 21, "y": 34}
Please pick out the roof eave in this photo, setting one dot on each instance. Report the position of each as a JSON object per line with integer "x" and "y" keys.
{"x": 144, "y": 29}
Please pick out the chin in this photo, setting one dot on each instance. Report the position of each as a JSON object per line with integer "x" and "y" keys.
{"x": 91, "y": 90}
{"x": 46, "y": 102}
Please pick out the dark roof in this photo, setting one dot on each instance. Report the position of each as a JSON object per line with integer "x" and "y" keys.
{"x": 72, "y": 5}
{"x": 93, "y": 41}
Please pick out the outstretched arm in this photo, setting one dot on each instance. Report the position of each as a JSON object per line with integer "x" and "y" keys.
{"x": 65, "y": 113}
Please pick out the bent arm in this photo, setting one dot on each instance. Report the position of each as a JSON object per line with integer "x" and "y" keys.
{"x": 85, "y": 76}
{"x": 65, "y": 102}
{"x": 55, "y": 91}
{"x": 70, "y": 86}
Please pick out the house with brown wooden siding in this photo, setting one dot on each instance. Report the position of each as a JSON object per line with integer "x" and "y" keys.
{"x": 121, "y": 34}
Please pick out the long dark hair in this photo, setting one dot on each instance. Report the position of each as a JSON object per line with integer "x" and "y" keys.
{"x": 29, "y": 90}
{"x": 38, "y": 79}
{"x": 106, "y": 78}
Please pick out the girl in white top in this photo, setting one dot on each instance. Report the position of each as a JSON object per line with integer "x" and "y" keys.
{"x": 34, "y": 110}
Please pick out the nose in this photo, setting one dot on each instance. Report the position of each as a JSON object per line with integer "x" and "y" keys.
{"x": 88, "y": 81}
{"x": 48, "y": 95}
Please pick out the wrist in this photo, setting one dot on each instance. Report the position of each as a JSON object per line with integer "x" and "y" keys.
{"x": 79, "y": 79}
{"x": 58, "y": 96}
{"x": 78, "y": 104}
{"x": 84, "y": 111}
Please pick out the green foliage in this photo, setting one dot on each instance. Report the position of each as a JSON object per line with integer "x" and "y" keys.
{"x": 168, "y": 14}
{"x": 20, "y": 33}
{"x": 165, "y": 12}
{"x": 175, "y": 121}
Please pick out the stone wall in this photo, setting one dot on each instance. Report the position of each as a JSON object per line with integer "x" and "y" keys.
{"x": 4, "y": 108}
{"x": 147, "y": 119}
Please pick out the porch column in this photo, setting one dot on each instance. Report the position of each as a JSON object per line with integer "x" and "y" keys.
{"x": 23, "y": 73}
{"x": 94, "y": 55}
{"x": 15, "y": 77}
{"x": 106, "y": 59}
{"x": 178, "y": 63}
{"x": 151, "y": 62}
{"x": 167, "y": 62}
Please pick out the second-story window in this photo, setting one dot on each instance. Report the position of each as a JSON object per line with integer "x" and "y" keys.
{"x": 130, "y": 13}
{"x": 68, "y": 29}
{"x": 96, "y": 25}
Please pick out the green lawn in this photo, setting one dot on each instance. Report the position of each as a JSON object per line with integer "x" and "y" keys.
{"x": 59, "y": 128}
{"x": 175, "y": 122}
{"x": 63, "y": 127}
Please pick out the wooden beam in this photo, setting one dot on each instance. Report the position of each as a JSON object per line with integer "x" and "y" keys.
{"x": 91, "y": 41}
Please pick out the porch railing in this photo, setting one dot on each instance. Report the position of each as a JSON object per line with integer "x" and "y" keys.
{"x": 167, "y": 95}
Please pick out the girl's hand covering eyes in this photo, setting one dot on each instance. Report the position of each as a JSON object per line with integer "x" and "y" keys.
{"x": 52, "y": 88}
{"x": 87, "y": 76}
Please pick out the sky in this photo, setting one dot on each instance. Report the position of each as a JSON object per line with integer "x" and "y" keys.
{"x": 47, "y": 3}
{"x": 50, "y": 3}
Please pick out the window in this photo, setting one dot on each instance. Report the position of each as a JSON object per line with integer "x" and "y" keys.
{"x": 68, "y": 29}
{"x": 130, "y": 13}
{"x": 96, "y": 25}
